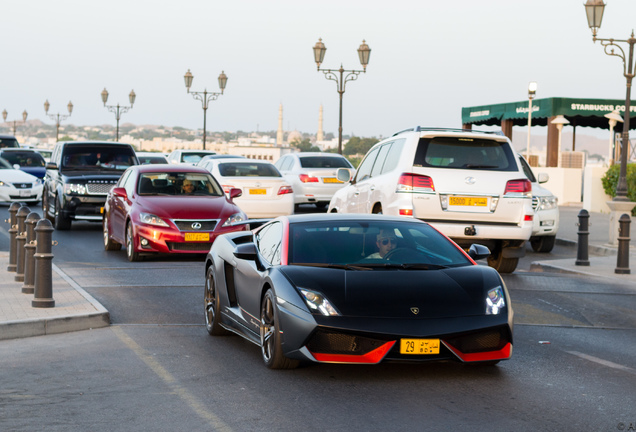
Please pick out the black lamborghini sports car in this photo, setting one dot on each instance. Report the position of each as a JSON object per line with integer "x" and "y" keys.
{"x": 354, "y": 288}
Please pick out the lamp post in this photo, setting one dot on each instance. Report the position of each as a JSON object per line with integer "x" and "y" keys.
{"x": 351, "y": 75}
{"x": 58, "y": 117}
{"x": 614, "y": 117}
{"x": 15, "y": 122}
{"x": 559, "y": 121}
{"x": 532, "y": 90}
{"x": 594, "y": 10}
{"x": 118, "y": 109}
{"x": 205, "y": 96}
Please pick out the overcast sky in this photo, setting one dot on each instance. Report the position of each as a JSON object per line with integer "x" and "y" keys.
{"x": 428, "y": 60}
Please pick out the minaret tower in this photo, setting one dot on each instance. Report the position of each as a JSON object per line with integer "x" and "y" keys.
{"x": 279, "y": 134}
{"x": 320, "y": 135}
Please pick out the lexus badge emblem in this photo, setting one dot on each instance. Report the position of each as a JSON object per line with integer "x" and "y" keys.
{"x": 196, "y": 225}
{"x": 470, "y": 180}
{"x": 415, "y": 310}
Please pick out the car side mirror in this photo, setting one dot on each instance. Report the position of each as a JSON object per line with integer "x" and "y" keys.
{"x": 344, "y": 175}
{"x": 51, "y": 166}
{"x": 478, "y": 252}
{"x": 543, "y": 177}
{"x": 235, "y": 193}
{"x": 246, "y": 251}
{"x": 120, "y": 192}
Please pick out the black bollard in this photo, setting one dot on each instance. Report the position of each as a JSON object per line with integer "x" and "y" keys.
{"x": 622, "y": 260}
{"x": 29, "y": 250}
{"x": 13, "y": 229}
{"x": 20, "y": 240}
{"x": 43, "y": 292}
{"x": 582, "y": 257}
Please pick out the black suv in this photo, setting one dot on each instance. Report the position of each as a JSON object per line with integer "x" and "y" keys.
{"x": 78, "y": 178}
{"x": 8, "y": 141}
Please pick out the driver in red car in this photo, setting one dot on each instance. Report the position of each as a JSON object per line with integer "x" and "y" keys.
{"x": 187, "y": 187}
{"x": 386, "y": 241}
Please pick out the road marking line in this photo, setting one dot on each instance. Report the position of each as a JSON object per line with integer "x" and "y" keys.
{"x": 200, "y": 409}
{"x": 603, "y": 362}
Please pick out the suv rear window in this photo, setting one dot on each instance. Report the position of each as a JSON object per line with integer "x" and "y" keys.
{"x": 465, "y": 153}
{"x": 96, "y": 157}
{"x": 323, "y": 162}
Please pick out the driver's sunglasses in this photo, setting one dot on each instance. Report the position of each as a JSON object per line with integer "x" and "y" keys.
{"x": 386, "y": 241}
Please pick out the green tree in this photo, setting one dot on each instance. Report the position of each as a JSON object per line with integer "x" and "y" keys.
{"x": 610, "y": 180}
{"x": 66, "y": 138}
{"x": 358, "y": 146}
{"x": 304, "y": 146}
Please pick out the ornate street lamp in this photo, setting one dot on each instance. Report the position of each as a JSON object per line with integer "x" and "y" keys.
{"x": 205, "y": 96}
{"x": 15, "y": 122}
{"x": 319, "y": 54}
{"x": 118, "y": 109}
{"x": 57, "y": 117}
{"x": 532, "y": 90}
{"x": 594, "y": 10}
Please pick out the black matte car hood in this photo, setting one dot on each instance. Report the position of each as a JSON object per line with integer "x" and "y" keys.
{"x": 400, "y": 293}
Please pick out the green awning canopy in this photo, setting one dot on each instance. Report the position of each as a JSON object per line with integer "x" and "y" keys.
{"x": 579, "y": 112}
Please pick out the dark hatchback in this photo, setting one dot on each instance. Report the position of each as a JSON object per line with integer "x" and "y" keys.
{"x": 78, "y": 178}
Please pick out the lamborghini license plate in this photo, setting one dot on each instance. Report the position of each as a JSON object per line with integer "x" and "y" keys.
{"x": 419, "y": 346}
{"x": 468, "y": 201}
{"x": 197, "y": 236}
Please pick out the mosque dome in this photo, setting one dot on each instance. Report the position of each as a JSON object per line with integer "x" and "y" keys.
{"x": 294, "y": 136}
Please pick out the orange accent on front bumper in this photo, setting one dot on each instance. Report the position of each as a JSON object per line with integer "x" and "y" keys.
{"x": 501, "y": 354}
{"x": 372, "y": 357}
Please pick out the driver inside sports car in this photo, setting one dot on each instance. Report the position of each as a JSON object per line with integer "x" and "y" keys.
{"x": 386, "y": 241}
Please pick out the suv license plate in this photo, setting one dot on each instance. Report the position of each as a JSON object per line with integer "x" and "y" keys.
{"x": 468, "y": 201}
{"x": 197, "y": 236}
{"x": 419, "y": 346}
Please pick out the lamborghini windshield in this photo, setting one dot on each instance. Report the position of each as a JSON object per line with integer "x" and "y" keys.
{"x": 373, "y": 244}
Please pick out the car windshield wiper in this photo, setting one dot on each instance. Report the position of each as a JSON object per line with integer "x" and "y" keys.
{"x": 408, "y": 266}
{"x": 338, "y": 266}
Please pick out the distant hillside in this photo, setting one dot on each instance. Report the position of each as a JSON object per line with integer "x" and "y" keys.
{"x": 593, "y": 145}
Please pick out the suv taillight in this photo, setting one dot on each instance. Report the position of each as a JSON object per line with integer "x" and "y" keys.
{"x": 307, "y": 179}
{"x": 409, "y": 182}
{"x": 521, "y": 186}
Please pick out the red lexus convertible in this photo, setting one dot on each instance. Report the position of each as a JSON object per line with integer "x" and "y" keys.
{"x": 168, "y": 209}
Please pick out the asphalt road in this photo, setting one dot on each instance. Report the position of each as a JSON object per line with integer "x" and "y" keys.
{"x": 156, "y": 368}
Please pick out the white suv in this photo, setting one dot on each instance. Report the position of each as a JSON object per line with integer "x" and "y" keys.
{"x": 469, "y": 185}
{"x": 546, "y": 211}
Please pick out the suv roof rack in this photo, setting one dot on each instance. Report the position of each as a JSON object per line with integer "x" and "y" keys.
{"x": 420, "y": 129}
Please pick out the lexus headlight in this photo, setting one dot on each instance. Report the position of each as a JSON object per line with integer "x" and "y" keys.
{"x": 547, "y": 203}
{"x": 318, "y": 302}
{"x": 236, "y": 217}
{"x": 151, "y": 219}
{"x": 38, "y": 182}
{"x": 75, "y": 189}
{"x": 5, "y": 184}
{"x": 495, "y": 301}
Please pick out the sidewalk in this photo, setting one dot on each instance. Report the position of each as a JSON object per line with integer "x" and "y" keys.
{"x": 76, "y": 310}
{"x": 601, "y": 255}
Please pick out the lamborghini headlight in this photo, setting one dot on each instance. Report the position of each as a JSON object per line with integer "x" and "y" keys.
{"x": 495, "y": 301}
{"x": 318, "y": 302}
{"x": 236, "y": 217}
{"x": 151, "y": 219}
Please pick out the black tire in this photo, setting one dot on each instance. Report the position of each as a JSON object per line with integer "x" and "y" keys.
{"x": 130, "y": 249}
{"x": 377, "y": 209}
{"x": 45, "y": 206}
{"x": 212, "y": 306}
{"x": 60, "y": 222}
{"x": 109, "y": 244}
{"x": 271, "y": 348}
{"x": 501, "y": 264}
{"x": 543, "y": 244}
